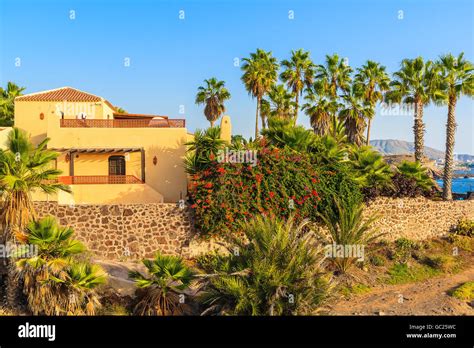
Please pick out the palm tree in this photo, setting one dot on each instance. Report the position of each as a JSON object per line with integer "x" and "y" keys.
{"x": 372, "y": 80}
{"x": 213, "y": 95}
{"x": 260, "y": 74}
{"x": 320, "y": 109}
{"x": 54, "y": 282}
{"x": 459, "y": 80}
{"x": 283, "y": 133}
{"x": 167, "y": 281}
{"x": 335, "y": 76}
{"x": 7, "y": 102}
{"x": 23, "y": 169}
{"x": 203, "y": 150}
{"x": 417, "y": 82}
{"x": 370, "y": 169}
{"x": 280, "y": 103}
{"x": 298, "y": 72}
{"x": 416, "y": 173}
{"x": 277, "y": 272}
{"x": 347, "y": 226}
{"x": 354, "y": 113}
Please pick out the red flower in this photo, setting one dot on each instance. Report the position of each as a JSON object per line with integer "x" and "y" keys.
{"x": 194, "y": 206}
{"x": 208, "y": 185}
{"x": 314, "y": 193}
{"x": 272, "y": 194}
{"x": 221, "y": 170}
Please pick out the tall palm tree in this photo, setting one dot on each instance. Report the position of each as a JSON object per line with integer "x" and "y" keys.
{"x": 354, "y": 113}
{"x": 335, "y": 76}
{"x": 23, "y": 169}
{"x": 417, "y": 82}
{"x": 457, "y": 75}
{"x": 320, "y": 109}
{"x": 213, "y": 95}
{"x": 298, "y": 72}
{"x": 260, "y": 74}
{"x": 280, "y": 103}
{"x": 373, "y": 81}
{"x": 7, "y": 100}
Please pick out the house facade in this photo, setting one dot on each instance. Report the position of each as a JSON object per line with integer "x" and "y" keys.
{"x": 106, "y": 156}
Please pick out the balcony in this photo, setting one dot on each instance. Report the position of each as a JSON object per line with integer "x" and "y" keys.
{"x": 99, "y": 179}
{"x": 123, "y": 123}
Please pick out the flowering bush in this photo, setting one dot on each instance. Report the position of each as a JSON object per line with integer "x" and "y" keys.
{"x": 282, "y": 183}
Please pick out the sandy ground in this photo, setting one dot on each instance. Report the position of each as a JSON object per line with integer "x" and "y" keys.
{"x": 422, "y": 298}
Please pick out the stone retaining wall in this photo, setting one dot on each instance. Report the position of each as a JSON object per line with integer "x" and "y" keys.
{"x": 417, "y": 218}
{"x": 134, "y": 231}
{"x": 126, "y": 231}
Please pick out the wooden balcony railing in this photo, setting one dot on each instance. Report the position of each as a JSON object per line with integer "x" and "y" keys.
{"x": 141, "y": 123}
{"x": 99, "y": 179}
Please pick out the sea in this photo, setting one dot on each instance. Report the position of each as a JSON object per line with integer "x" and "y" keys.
{"x": 461, "y": 185}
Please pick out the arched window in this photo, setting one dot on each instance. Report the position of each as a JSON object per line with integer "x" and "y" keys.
{"x": 116, "y": 165}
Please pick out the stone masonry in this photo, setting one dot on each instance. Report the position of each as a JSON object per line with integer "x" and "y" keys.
{"x": 135, "y": 231}
{"x": 128, "y": 231}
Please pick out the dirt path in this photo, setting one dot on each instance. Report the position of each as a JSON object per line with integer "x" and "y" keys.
{"x": 423, "y": 298}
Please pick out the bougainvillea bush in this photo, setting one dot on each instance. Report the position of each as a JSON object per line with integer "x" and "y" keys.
{"x": 282, "y": 183}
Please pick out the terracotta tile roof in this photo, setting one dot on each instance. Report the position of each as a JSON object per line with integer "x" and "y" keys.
{"x": 110, "y": 105}
{"x": 61, "y": 94}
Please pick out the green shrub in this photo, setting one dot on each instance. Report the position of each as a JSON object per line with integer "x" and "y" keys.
{"x": 444, "y": 263}
{"x": 275, "y": 271}
{"x": 403, "y": 250}
{"x": 464, "y": 228}
{"x": 213, "y": 261}
{"x": 335, "y": 181}
{"x": 464, "y": 292}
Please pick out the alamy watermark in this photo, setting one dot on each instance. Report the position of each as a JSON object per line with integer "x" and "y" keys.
{"x": 237, "y": 156}
{"x": 345, "y": 251}
{"x": 397, "y": 109}
{"x": 13, "y": 250}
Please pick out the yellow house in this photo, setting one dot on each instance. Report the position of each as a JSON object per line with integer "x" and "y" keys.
{"x": 106, "y": 156}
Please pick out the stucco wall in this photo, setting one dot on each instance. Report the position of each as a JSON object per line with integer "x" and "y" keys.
{"x": 98, "y": 164}
{"x": 167, "y": 176}
{"x": 27, "y": 114}
{"x": 103, "y": 194}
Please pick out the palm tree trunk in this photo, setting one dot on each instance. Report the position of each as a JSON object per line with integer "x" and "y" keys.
{"x": 367, "y": 140}
{"x": 448, "y": 159}
{"x": 419, "y": 130}
{"x": 296, "y": 108}
{"x": 212, "y": 123}
{"x": 256, "y": 116}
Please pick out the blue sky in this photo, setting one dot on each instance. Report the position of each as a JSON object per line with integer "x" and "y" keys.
{"x": 170, "y": 57}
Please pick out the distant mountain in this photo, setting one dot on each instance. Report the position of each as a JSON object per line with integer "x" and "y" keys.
{"x": 401, "y": 147}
